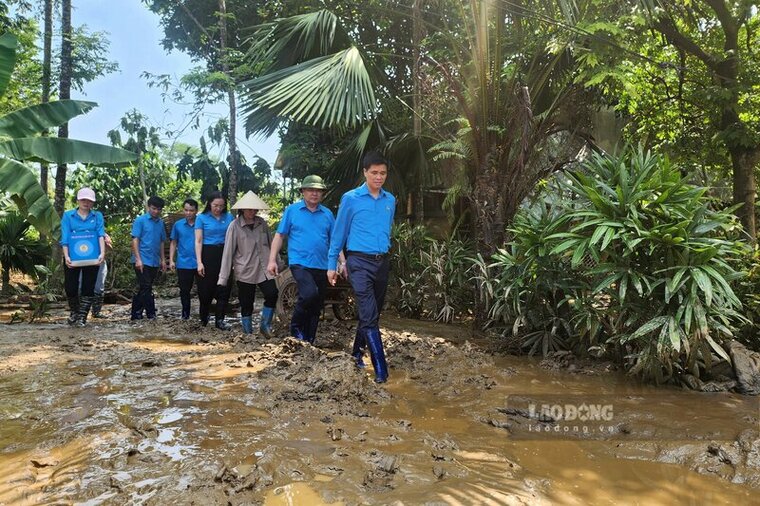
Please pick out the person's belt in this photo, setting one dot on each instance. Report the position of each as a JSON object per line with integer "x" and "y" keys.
{"x": 368, "y": 256}
{"x": 213, "y": 245}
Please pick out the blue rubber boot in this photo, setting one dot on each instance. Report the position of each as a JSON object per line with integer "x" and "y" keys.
{"x": 358, "y": 350}
{"x": 375, "y": 345}
{"x": 267, "y": 313}
{"x": 247, "y": 324}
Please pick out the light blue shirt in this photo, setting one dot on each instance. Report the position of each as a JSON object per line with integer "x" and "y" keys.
{"x": 151, "y": 233}
{"x": 213, "y": 229}
{"x": 308, "y": 234}
{"x": 72, "y": 223}
{"x": 363, "y": 224}
{"x": 184, "y": 234}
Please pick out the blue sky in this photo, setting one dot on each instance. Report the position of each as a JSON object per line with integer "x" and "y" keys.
{"x": 135, "y": 37}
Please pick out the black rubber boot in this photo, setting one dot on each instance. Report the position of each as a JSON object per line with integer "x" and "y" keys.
{"x": 377, "y": 354}
{"x": 73, "y": 311}
{"x": 97, "y": 306}
{"x": 85, "y": 303}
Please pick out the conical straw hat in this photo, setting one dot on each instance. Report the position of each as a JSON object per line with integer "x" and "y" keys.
{"x": 251, "y": 201}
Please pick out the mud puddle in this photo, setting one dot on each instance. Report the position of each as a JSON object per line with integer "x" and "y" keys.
{"x": 171, "y": 413}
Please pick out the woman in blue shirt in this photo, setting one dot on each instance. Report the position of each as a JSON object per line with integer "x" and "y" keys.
{"x": 77, "y": 225}
{"x": 210, "y": 229}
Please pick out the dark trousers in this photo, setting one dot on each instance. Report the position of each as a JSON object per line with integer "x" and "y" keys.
{"x": 89, "y": 274}
{"x": 312, "y": 285}
{"x": 369, "y": 279}
{"x": 211, "y": 256}
{"x": 143, "y": 299}
{"x": 185, "y": 279}
{"x": 247, "y": 294}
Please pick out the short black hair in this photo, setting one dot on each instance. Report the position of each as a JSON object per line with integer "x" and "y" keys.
{"x": 212, "y": 197}
{"x": 373, "y": 158}
{"x": 192, "y": 202}
{"x": 156, "y": 202}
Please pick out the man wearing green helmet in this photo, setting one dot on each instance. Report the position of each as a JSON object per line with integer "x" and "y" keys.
{"x": 308, "y": 225}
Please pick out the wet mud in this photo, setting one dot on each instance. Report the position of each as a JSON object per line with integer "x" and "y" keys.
{"x": 168, "y": 412}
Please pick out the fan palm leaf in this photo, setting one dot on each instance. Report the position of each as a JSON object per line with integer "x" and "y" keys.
{"x": 333, "y": 91}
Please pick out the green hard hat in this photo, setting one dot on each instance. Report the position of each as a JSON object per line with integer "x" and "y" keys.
{"x": 313, "y": 181}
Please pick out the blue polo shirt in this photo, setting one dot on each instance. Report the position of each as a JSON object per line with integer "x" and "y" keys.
{"x": 184, "y": 234}
{"x": 213, "y": 229}
{"x": 150, "y": 232}
{"x": 72, "y": 223}
{"x": 363, "y": 224}
{"x": 308, "y": 234}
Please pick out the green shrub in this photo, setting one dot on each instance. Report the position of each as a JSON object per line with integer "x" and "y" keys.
{"x": 430, "y": 278}
{"x": 633, "y": 263}
{"x": 527, "y": 287}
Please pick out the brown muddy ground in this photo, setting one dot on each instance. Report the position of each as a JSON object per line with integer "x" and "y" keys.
{"x": 171, "y": 413}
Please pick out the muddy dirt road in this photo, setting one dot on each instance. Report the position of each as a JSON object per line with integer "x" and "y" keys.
{"x": 170, "y": 413}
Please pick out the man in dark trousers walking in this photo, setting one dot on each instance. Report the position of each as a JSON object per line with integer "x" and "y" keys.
{"x": 363, "y": 228}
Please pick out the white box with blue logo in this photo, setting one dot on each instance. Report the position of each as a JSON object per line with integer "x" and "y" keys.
{"x": 84, "y": 248}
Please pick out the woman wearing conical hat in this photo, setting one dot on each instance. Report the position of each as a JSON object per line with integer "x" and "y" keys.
{"x": 246, "y": 251}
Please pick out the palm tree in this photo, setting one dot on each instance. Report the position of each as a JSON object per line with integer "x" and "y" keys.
{"x": 19, "y": 251}
{"x": 517, "y": 124}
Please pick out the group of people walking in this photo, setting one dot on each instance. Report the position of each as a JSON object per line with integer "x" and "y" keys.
{"x": 212, "y": 247}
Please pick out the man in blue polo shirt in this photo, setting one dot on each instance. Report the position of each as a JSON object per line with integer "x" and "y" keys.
{"x": 183, "y": 244}
{"x": 148, "y": 237}
{"x": 363, "y": 227}
{"x": 308, "y": 226}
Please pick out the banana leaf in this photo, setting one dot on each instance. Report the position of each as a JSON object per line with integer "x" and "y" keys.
{"x": 36, "y": 119}
{"x": 55, "y": 150}
{"x": 23, "y": 185}
{"x": 7, "y": 59}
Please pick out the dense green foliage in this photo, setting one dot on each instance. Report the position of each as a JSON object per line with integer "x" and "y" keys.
{"x": 20, "y": 250}
{"x": 430, "y": 278}
{"x": 632, "y": 263}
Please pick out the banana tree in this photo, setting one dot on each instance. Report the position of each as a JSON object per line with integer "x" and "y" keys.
{"x": 20, "y": 142}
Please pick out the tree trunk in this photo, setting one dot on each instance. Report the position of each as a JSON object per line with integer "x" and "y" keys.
{"x": 234, "y": 157}
{"x": 743, "y": 162}
{"x": 63, "y": 93}
{"x": 416, "y": 102}
{"x": 141, "y": 173}
{"x": 47, "y": 55}
{"x": 6, "y": 288}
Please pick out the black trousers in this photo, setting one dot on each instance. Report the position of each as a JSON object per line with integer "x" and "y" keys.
{"x": 185, "y": 280}
{"x": 247, "y": 294}
{"x": 312, "y": 286}
{"x": 208, "y": 290}
{"x": 143, "y": 299}
{"x": 71, "y": 275}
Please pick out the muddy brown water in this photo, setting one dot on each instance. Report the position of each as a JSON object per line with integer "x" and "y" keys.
{"x": 170, "y": 413}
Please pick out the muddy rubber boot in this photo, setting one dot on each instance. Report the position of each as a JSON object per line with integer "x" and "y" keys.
{"x": 358, "y": 350}
{"x": 247, "y": 323}
{"x": 221, "y": 324}
{"x": 73, "y": 311}
{"x": 97, "y": 306}
{"x": 377, "y": 354}
{"x": 296, "y": 332}
{"x": 265, "y": 327}
{"x": 85, "y": 303}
